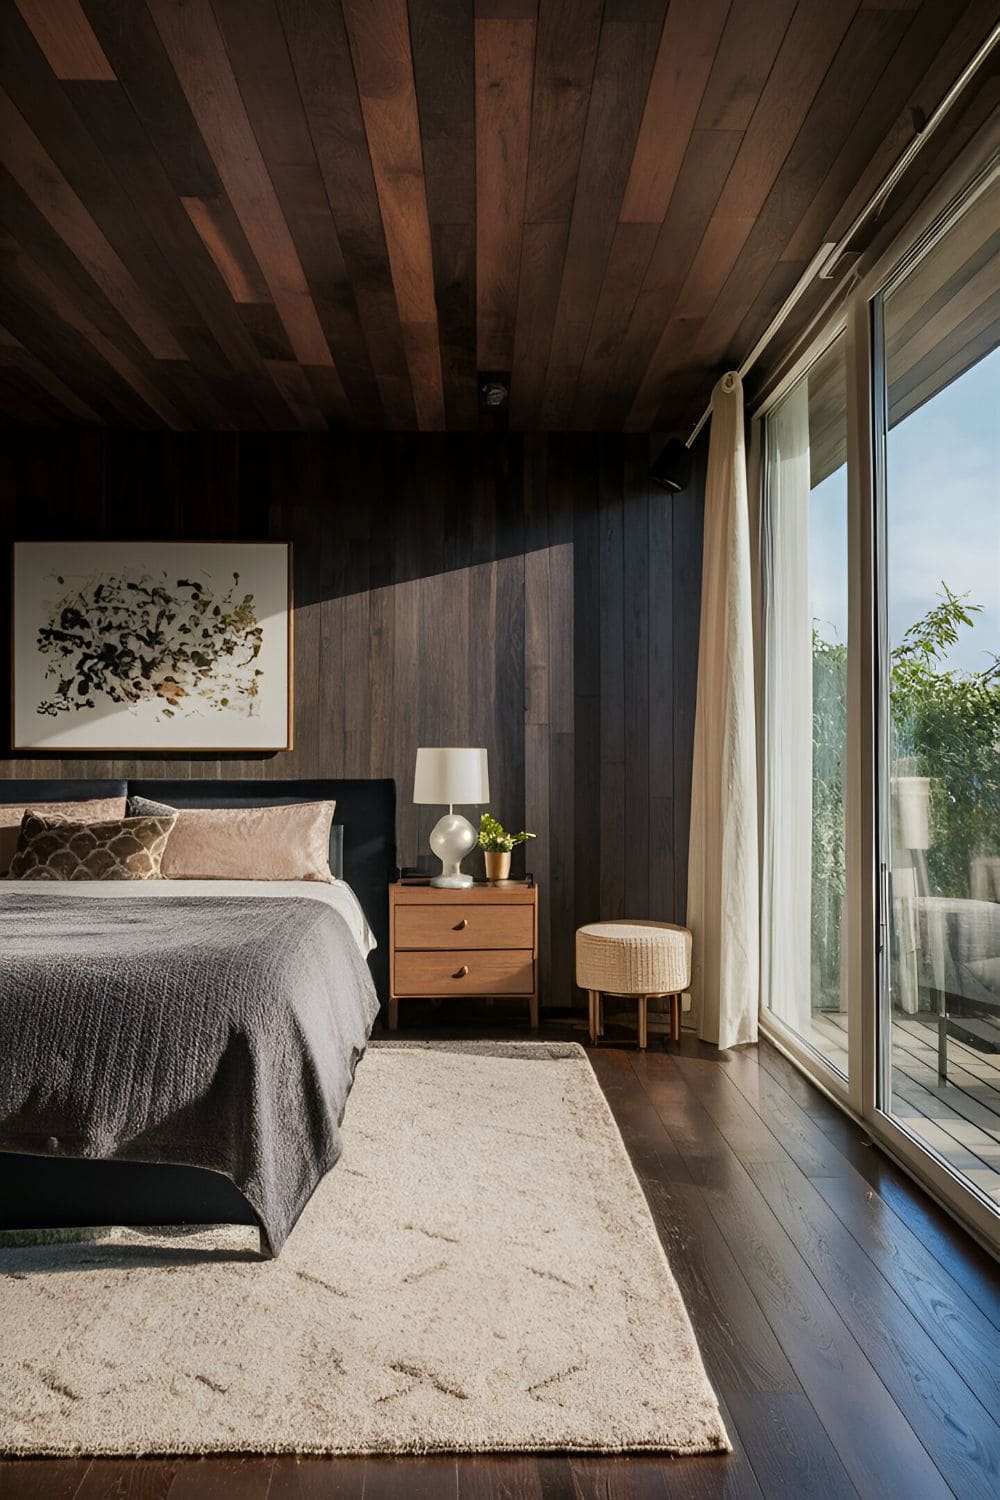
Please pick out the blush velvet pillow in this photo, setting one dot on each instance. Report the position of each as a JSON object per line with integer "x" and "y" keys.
{"x": 246, "y": 843}
{"x": 96, "y": 810}
{"x": 50, "y": 848}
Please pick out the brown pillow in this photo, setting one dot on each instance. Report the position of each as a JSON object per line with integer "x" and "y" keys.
{"x": 50, "y": 848}
{"x": 291, "y": 842}
{"x": 96, "y": 810}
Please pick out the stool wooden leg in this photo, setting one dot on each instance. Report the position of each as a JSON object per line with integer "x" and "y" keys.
{"x": 643, "y": 1018}
{"x": 599, "y": 1004}
{"x": 592, "y": 1015}
{"x": 675, "y": 1019}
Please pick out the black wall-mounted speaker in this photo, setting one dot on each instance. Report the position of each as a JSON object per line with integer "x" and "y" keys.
{"x": 672, "y": 469}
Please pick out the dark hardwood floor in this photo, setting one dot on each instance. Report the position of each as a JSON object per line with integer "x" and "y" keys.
{"x": 851, "y": 1329}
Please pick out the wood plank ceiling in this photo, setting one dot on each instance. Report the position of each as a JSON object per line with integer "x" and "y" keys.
{"x": 315, "y": 213}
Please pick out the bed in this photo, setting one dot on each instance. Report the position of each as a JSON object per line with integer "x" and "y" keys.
{"x": 215, "y": 1100}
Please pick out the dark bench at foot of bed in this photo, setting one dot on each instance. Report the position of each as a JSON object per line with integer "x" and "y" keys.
{"x": 69, "y": 1193}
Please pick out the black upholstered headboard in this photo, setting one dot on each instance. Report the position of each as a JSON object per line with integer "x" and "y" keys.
{"x": 362, "y": 844}
{"x": 50, "y": 789}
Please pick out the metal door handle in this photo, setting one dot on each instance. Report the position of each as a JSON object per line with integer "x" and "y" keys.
{"x": 461, "y": 973}
{"x": 459, "y": 925}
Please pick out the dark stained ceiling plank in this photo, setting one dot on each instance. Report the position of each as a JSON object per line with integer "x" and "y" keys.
{"x": 815, "y": 32}
{"x": 191, "y": 37}
{"x": 443, "y": 48}
{"x": 205, "y": 311}
{"x": 290, "y": 378}
{"x": 566, "y": 47}
{"x": 99, "y": 145}
{"x": 853, "y": 76}
{"x": 39, "y": 177}
{"x": 543, "y": 253}
{"x": 707, "y": 163}
{"x": 23, "y": 403}
{"x": 749, "y": 45}
{"x": 129, "y": 38}
{"x": 66, "y": 37}
{"x": 625, "y": 60}
{"x": 66, "y": 310}
{"x": 321, "y": 58}
{"x": 219, "y": 231}
{"x": 933, "y": 51}
{"x": 42, "y": 330}
{"x": 688, "y": 45}
{"x": 258, "y": 52}
{"x": 568, "y": 36}
{"x": 14, "y": 356}
{"x": 28, "y": 227}
{"x": 631, "y": 251}
{"x": 60, "y": 347}
{"x": 378, "y": 31}
{"x": 505, "y": 56}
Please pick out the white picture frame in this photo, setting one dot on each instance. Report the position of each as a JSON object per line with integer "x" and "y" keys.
{"x": 151, "y": 647}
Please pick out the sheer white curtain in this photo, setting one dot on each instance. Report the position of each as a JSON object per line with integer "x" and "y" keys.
{"x": 723, "y": 898}
{"x": 786, "y": 887}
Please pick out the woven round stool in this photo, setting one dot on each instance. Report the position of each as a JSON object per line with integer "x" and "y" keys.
{"x": 644, "y": 960}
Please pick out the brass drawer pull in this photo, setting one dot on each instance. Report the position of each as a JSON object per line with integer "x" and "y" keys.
{"x": 460, "y": 925}
{"x": 461, "y": 973}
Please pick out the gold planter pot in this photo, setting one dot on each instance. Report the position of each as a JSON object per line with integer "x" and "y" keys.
{"x": 497, "y": 864}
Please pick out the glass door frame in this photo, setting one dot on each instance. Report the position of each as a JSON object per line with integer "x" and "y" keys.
{"x": 809, "y": 1058}
{"x": 867, "y": 897}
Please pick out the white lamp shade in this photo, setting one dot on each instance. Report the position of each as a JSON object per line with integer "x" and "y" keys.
{"x": 451, "y": 776}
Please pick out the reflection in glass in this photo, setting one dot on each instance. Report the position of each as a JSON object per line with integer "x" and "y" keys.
{"x": 805, "y": 707}
{"x": 941, "y": 1017}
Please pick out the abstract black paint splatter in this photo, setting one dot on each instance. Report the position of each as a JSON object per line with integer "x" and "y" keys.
{"x": 175, "y": 642}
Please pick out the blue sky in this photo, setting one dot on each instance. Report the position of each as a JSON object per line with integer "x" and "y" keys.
{"x": 943, "y": 520}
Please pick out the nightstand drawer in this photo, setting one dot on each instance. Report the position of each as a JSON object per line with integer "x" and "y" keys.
{"x": 466, "y": 926}
{"x": 473, "y": 972}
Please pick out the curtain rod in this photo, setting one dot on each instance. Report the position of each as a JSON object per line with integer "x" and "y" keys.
{"x": 828, "y": 256}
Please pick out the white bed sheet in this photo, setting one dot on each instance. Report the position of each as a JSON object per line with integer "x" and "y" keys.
{"x": 337, "y": 894}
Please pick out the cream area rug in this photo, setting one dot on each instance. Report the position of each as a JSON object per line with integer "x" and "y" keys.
{"x": 480, "y": 1271}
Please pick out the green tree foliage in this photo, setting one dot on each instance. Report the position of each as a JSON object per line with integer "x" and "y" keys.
{"x": 946, "y": 726}
{"x": 947, "y": 722}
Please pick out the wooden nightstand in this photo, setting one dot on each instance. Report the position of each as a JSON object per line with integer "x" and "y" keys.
{"x": 481, "y": 941}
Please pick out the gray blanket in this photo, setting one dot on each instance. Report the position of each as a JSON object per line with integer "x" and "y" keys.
{"x": 208, "y": 1032}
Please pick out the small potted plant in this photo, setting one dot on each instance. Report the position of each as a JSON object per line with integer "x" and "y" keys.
{"x": 496, "y": 844}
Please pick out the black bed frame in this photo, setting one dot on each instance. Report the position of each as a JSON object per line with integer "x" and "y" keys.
{"x": 38, "y": 1192}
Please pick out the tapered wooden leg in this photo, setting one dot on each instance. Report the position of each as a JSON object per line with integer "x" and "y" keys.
{"x": 675, "y": 1019}
{"x": 393, "y": 1015}
{"x": 643, "y": 1019}
{"x": 534, "y": 1011}
{"x": 600, "y": 1012}
{"x": 592, "y": 1015}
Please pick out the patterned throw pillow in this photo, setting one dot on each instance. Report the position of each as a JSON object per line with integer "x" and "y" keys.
{"x": 50, "y": 848}
{"x": 93, "y": 810}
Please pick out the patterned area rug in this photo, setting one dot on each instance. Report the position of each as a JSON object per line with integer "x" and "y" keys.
{"x": 479, "y": 1272}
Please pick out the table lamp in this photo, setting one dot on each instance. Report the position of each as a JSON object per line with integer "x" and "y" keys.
{"x": 444, "y": 777}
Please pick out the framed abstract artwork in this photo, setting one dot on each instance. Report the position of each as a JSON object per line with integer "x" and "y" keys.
{"x": 162, "y": 647}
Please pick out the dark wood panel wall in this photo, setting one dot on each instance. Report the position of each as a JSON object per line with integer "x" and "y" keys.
{"x": 531, "y": 593}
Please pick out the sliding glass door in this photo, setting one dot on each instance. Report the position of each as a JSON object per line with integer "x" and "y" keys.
{"x": 936, "y": 330}
{"x": 804, "y": 555}
{"x": 879, "y": 671}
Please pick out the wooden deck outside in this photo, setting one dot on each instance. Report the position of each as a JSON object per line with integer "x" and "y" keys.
{"x": 960, "y": 1119}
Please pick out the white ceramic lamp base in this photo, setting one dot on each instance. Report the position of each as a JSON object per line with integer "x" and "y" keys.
{"x": 452, "y": 838}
